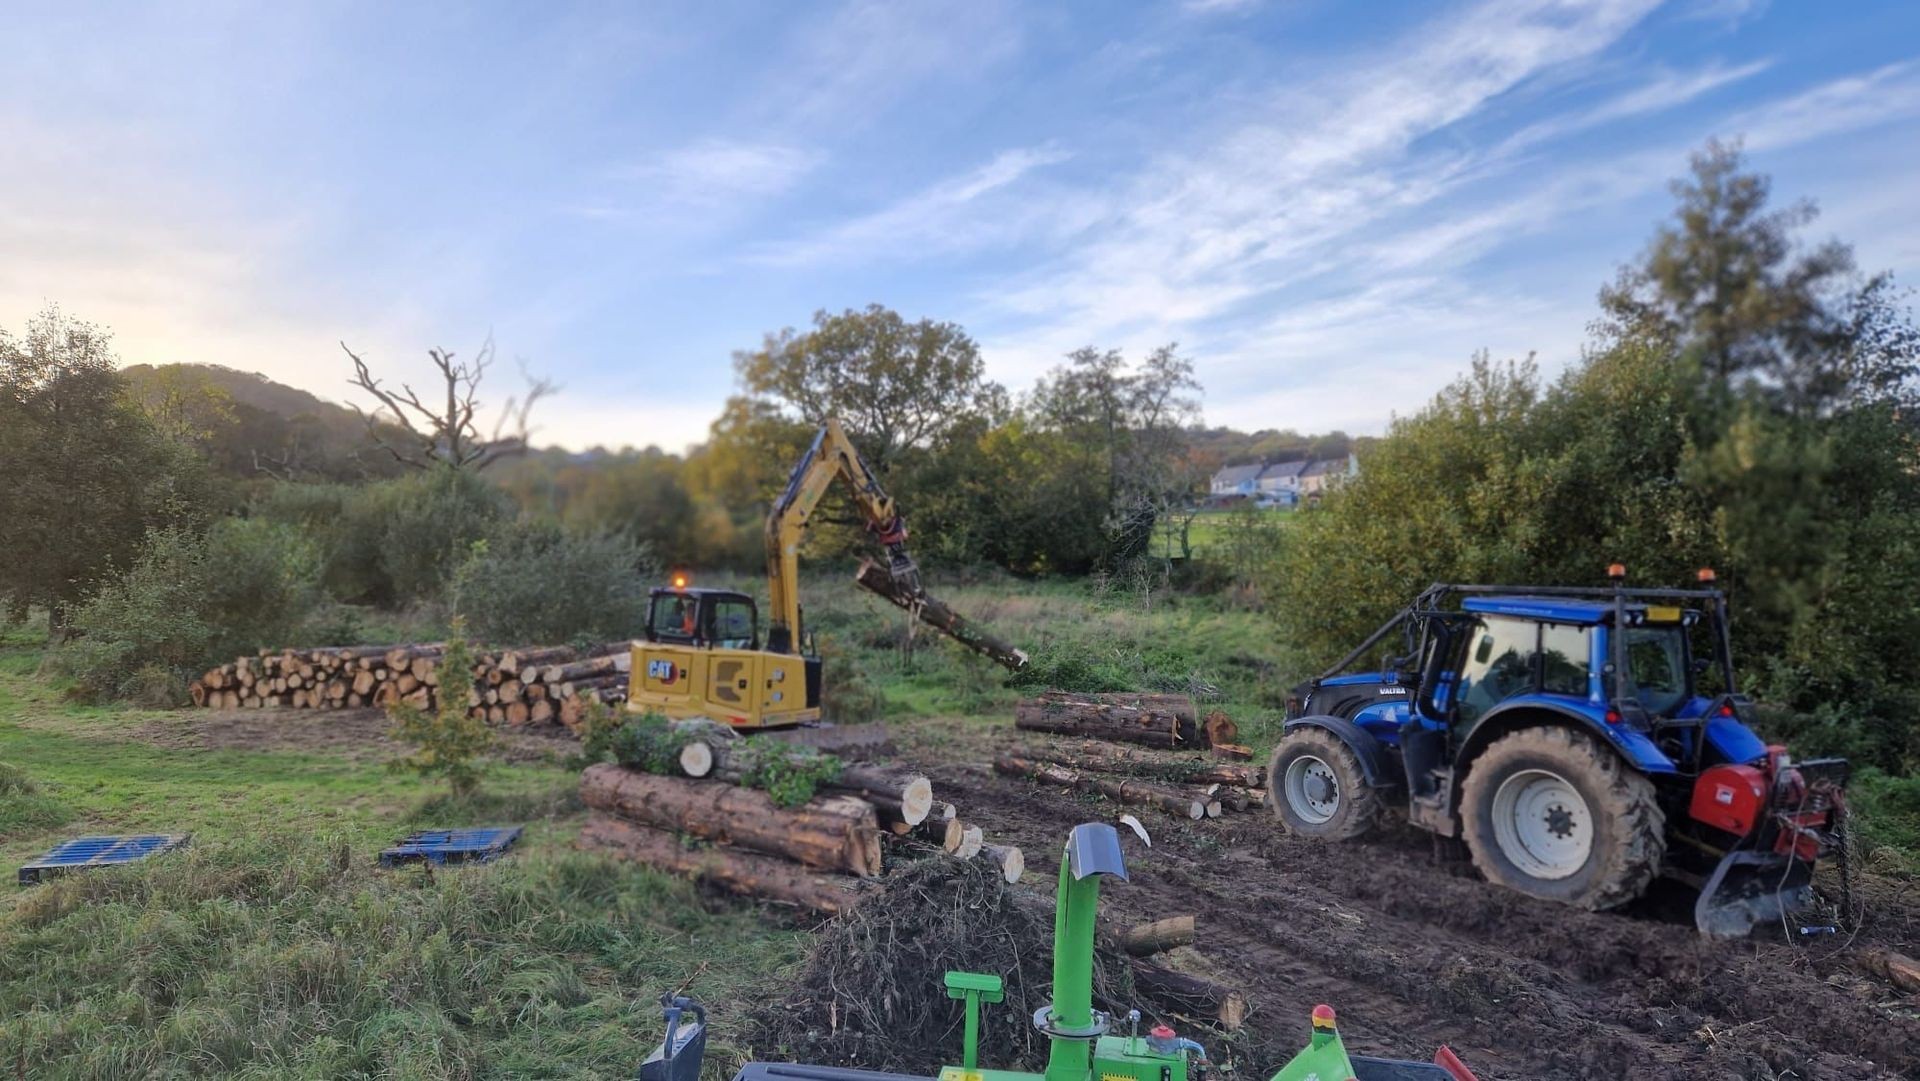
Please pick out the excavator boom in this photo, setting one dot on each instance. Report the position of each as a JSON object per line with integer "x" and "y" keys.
{"x": 831, "y": 457}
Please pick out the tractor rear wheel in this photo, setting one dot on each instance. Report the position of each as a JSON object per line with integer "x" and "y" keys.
{"x": 1317, "y": 788}
{"x": 1555, "y": 814}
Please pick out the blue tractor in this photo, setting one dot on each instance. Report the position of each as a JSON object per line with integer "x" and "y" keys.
{"x": 1581, "y": 741}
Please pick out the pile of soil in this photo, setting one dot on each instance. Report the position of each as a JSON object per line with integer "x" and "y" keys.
{"x": 872, "y": 992}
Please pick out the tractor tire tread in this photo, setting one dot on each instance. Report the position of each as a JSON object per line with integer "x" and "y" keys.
{"x": 1626, "y": 798}
{"x": 1360, "y": 803}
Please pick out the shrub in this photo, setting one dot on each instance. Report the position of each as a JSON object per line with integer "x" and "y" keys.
{"x": 538, "y": 583}
{"x": 430, "y": 522}
{"x": 391, "y": 542}
{"x": 449, "y": 740}
{"x": 191, "y": 601}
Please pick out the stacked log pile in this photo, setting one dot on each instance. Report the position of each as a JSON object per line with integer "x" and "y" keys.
{"x": 821, "y": 856}
{"x": 542, "y": 685}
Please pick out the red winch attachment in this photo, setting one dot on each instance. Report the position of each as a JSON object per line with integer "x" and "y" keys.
{"x": 1730, "y": 798}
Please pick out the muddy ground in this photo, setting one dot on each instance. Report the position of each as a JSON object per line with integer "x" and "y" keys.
{"x": 1414, "y": 950}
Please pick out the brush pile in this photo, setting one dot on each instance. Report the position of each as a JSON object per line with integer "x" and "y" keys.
{"x": 771, "y": 819}
{"x": 542, "y": 685}
{"x": 1145, "y": 750}
{"x": 872, "y": 993}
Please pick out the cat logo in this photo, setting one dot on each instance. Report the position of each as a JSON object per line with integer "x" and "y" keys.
{"x": 663, "y": 671}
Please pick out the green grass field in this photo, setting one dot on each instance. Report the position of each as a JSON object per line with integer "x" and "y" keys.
{"x": 274, "y": 946}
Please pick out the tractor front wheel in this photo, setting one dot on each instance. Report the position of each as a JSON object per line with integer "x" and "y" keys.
{"x": 1553, "y": 813}
{"x": 1317, "y": 788}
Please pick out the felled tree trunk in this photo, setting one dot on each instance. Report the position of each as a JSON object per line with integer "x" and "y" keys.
{"x": 1093, "y": 716}
{"x": 837, "y": 833}
{"x": 1146, "y": 939}
{"x": 1120, "y": 790}
{"x": 1115, "y": 758}
{"x": 934, "y": 613}
{"x": 739, "y": 872}
{"x": 1190, "y": 995}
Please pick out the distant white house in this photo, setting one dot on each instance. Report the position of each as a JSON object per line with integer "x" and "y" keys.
{"x": 1236, "y": 480}
{"x": 1282, "y": 484}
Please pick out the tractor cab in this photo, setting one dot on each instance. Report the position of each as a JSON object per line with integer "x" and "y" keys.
{"x": 713, "y": 618}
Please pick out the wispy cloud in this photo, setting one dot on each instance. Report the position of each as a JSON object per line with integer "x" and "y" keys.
{"x": 1664, "y": 91}
{"x": 925, "y": 222}
{"x": 1207, "y": 230}
{"x": 713, "y": 174}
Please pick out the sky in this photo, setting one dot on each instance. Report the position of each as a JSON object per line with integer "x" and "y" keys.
{"x": 1329, "y": 206}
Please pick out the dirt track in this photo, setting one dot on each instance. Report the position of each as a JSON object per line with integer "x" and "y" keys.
{"x": 1414, "y": 950}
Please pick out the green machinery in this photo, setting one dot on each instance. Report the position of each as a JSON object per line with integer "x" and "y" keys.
{"x": 1082, "y": 1043}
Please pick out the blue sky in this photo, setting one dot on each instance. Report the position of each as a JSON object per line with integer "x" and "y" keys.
{"x": 1329, "y": 205}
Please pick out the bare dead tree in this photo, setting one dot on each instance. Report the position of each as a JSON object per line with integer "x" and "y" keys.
{"x": 423, "y": 435}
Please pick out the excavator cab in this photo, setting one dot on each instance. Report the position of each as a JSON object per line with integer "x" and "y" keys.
{"x": 712, "y": 618}
{"x": 702, "y": 657}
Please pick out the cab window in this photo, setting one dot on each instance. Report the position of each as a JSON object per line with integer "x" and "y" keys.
{"x": 1566, "y": 659}
{"x": 1498, "y": 664}
{"x": 674, "y": 619}
{"x": 732, "y": 625}
{"x": 1657, "y": 667}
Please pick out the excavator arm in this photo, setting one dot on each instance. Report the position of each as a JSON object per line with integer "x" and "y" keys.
{"x": 831, "y": 457}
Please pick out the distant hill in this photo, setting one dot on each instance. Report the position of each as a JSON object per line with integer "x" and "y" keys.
{"x": 251, "y": 426}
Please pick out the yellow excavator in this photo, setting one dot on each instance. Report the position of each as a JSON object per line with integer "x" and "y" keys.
{"x": 702, "y": 653}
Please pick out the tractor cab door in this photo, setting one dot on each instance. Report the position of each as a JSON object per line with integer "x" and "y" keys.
{"x": 1445, "y": 634}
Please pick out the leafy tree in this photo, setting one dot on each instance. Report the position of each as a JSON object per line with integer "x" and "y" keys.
{"x": 893, "y": 384}
{"x": 1726, "y": 283}
{"x": 87, "y": 473}
{"x": 192, "y": 600}
{"x": 1128, "y": 432}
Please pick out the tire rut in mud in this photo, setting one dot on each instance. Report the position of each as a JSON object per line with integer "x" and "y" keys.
{"x": 1415, "y": 950}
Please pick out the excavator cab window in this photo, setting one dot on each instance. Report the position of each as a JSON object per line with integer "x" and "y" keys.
{"x": 732, "y": 623}
{"x": 674, "y": 618}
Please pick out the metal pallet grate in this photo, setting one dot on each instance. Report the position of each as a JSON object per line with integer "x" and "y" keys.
{"x": 82, "y": 852}
{"x": 452, "y": 846}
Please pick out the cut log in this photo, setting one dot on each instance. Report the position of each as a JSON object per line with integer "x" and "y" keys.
{"x": 541, "y": 712}
{"x": 1088, "y": 715}
{"x": 1011, "y": 861}
{"x": 1141, "y": 762}
{"x": 972, "y": 840}
{"x": 907, "y": 795}
{"x": 1191, "y": 996}
{"x": 1233, "y": 750}
{"x": 604, "y": 665}
{"x": 739, "y": 872}
{"x": 1146, "y": 939}
{"x": 1218, "y": 729}
{"x": 403, "y": 656}
{"x": 518, "y": 714}
{"x": 837, "y": 833}
{"x": 513, "y": 661}
{"x": 934, "y": 613}
{"x": 1121, "y": 790}
{"x": 948, "y": 833}
{"x": 1896, "y": 968}
{"x": 197, "y": 690}
{"x": 363, "y": 682}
